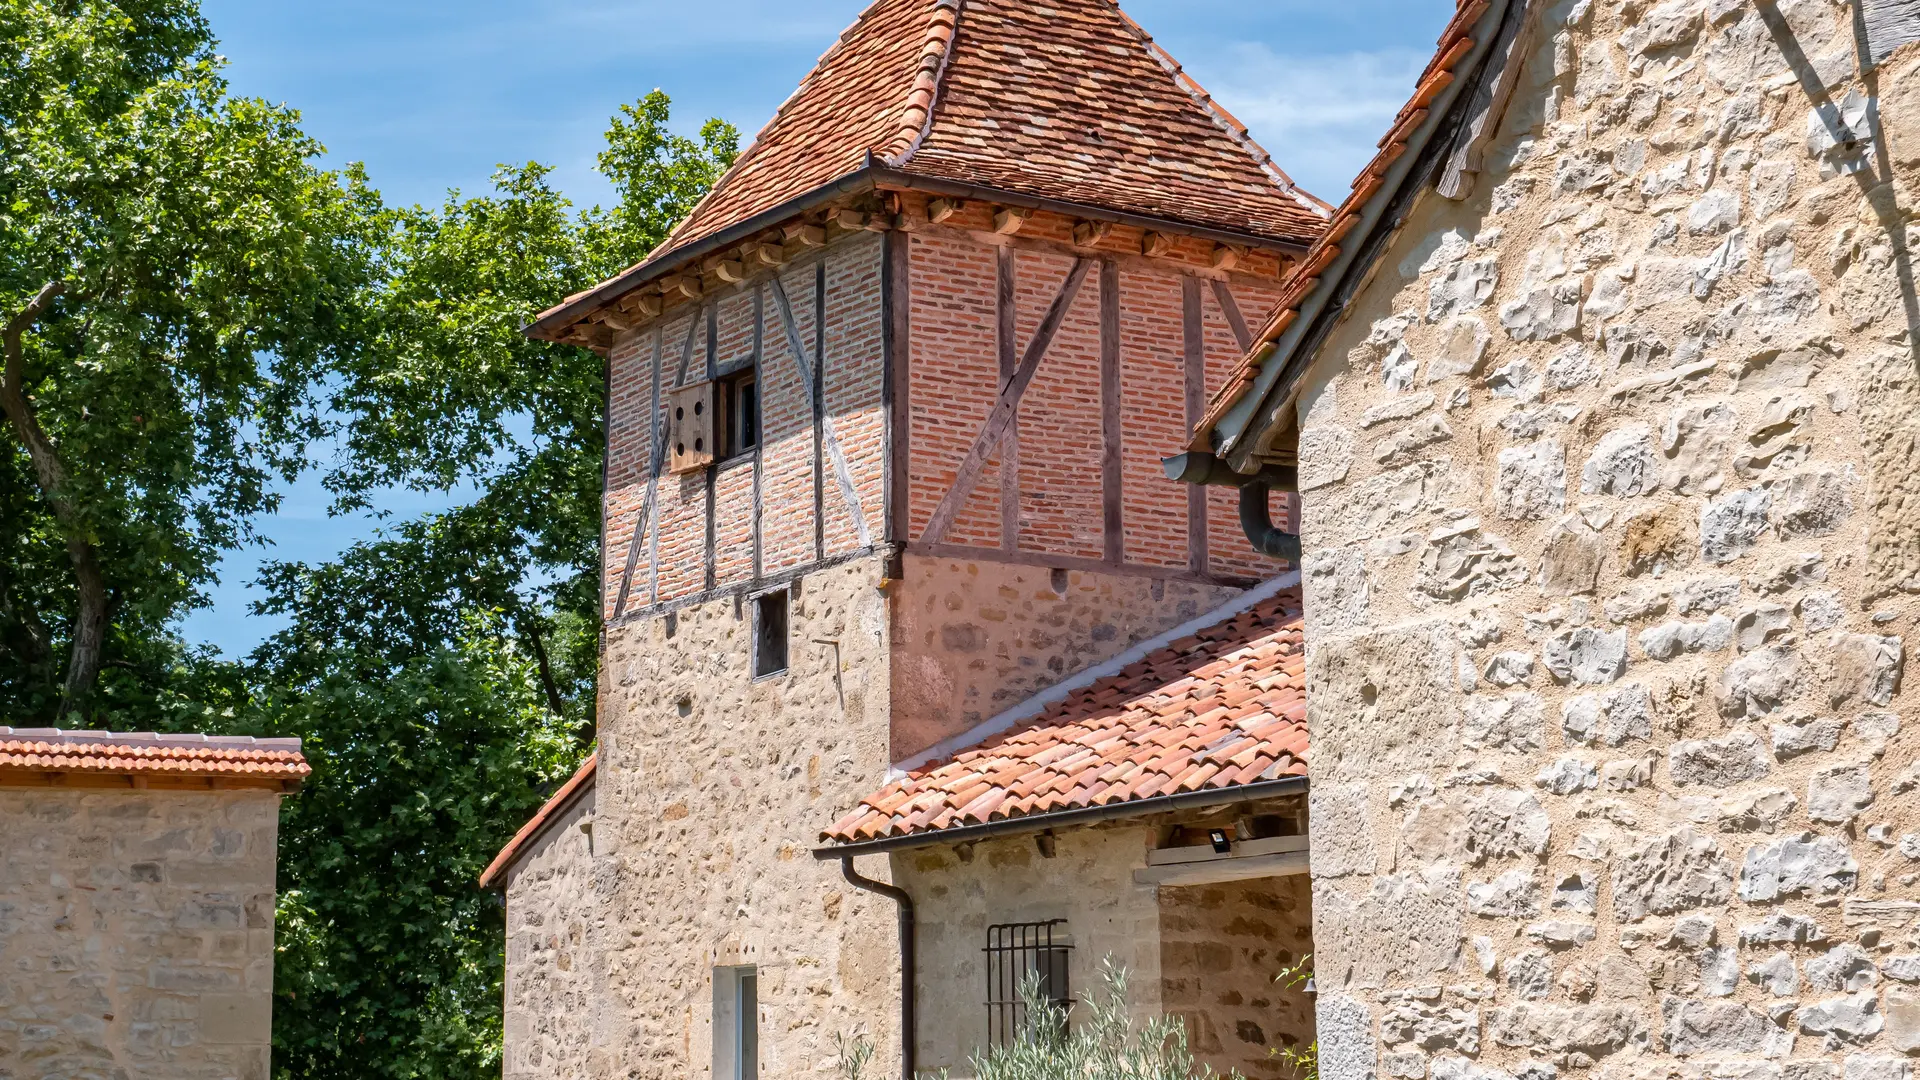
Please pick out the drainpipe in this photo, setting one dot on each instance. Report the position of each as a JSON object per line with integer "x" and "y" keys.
{"x": 904, "y": 904}
{"x": 1256, "y": 519}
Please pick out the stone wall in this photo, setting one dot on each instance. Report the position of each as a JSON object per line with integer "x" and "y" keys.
{"x": 1609, "y": 575}
{"x": 1088, "y": 882}
{"x": 972, "y": 639}
{"x": 552, "y": 951}
{"x": 713, "y": 788}
{"x": 1221, "y": 949}
{"x": 136, "y": 933}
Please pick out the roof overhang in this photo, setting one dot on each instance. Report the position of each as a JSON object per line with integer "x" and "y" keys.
{"x": 1282, "y": 360}
{"x": 555, "y": 321}
{"x": 1206, "y": 799}
{"x": 563, "y": 801}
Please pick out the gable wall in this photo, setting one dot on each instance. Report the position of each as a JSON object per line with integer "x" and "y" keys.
{"x": 552, "y": 952}
{"x": 1612, "y": 767}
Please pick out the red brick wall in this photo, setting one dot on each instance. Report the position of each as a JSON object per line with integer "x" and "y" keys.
{"x": 735, "y": 327}
{"x": 955, "y": 374}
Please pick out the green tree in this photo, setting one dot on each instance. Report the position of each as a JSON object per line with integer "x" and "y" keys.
{"x": 175, "y": 271}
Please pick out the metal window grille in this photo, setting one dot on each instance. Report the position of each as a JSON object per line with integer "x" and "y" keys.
{"x": 1014, "y": 951}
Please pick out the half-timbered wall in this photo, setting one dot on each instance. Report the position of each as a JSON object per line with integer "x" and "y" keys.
{"x": 812, "y": 492}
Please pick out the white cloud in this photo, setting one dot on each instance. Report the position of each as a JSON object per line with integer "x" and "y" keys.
{"x": 1321, "y": 116}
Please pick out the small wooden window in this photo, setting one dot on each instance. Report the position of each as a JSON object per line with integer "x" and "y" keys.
{"x": 690, "y": 428}
{"x": 739, "y": 404}
{"x": 770, "y": 634}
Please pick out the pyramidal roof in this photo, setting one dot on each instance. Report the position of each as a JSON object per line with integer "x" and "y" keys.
{"x": 1068, "y": 100}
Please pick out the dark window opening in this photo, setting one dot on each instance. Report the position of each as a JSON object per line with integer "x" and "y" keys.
{"x": 1017, "y": 953}
{"x": 770, "y": 634}
{"x": 739, "y": 413}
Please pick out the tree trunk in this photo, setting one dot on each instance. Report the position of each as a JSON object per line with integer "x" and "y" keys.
{"x": 90, "y": 616}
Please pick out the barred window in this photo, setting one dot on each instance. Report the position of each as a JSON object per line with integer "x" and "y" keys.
{"x": 1015, "y": 952}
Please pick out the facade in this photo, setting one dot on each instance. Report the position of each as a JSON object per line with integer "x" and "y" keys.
{"x": 136, "y": 902}
{"x": 1601, "y": 390}
{"x": 883, "y": 489}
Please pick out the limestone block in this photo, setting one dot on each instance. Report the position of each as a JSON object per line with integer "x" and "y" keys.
{"x": 1545, "y": 312}
{"x": 1577, "y": 894}
{"x": 1730, "y": 526}
{"x": 1462, "y": 287}
{"x": 1517, "y": 379}
{"x": 1902, "y": 968}
{"x": 1431, "y": 1027}
{"x": 1678, "y": 871}
{"x": 1509, "y": 669}
{"x": 1528, "y": 976}
{"x": 1514, "y": 722}
{"x": 1636, "y": 602}
{"x": 1344, "y": 1026}
{"x": 1778, "y": 435}
{"x": 1719, "y": 972}
{"x": 1531, "y": 481}
{"x": 1612, "y": 293}
{"x": 1513, "y": 895}
{"x": 1776, "y": 974}
{"x": 1723, "y": 762}
{"x": 1573, "y": 560}
{"x": 1875, "y": 730}
{"x": 1462, "y": 560}
{"x": 1839, "y": 793}
{"x": 1560, "y": 933}
{"x": 1675, "y": 22}
{"x": 1693, "y": 932}
{"x": 1464, "y": 342}
{"x": 1338, "y": 590}
{"x": 1844, "y": 967}
{"x": 1715, "y": 213}
{"x": 1654, "y": 540}
{"x": 1567, "y": 776}
{"x": 1402, "y": 407}
{"x": 1387, "y": 702}
{"x": 1342, "y": 830}
{"x": 1789, "y": 573}
{"x": 1622, "y": 463}
{"x": 1375, "y": 506}
{"x": 1854, "y": 1018}
{"x": 1594, "y": 1030}
{"x": 1407, "y": 924}
{"x": 1820, "y": 865}
{"x": 1876, "y": 1067}
{"x": 1668, "y": 640}
{"x": 1759, "y": 683}
{"x": 1713, "y": 1027}
{"x": 1812, "y": 504}
{"x": 1572, "y": 368}
{"x": 1326, "y": 456}
{"x": 1757, "y": 626}
{"x": 1763, "y": 810}
{"x": 1611, "y": 718}
{"x": 1695, "y": 442}
{"x": 1586, "y": 655}
{"x": 1504, "y": 823}
{"x": 1706, "y": 594}
{"x": 1903, "y": 1021}
{"x": 1805, "y": 735}
{"x": 1449, "y": 1067}
{"x": 1782, "y": 929}
{"x": 1630, "y": 774}
{"x": 1865, "y": 669}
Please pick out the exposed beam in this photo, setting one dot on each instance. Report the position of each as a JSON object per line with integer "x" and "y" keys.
{"x": 841, "y": 470}
{"x": 1006, "y": 322}
{"x": 1111, "y": 491}
{"x": 1237, "y": 322}
{"x": 1193, "y": 332}
{"x": 1006, "y": 406}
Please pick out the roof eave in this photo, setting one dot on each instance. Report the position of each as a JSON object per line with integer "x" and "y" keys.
{"x": 550, "y": 324}
{"x": 1287, "y": 360}
{"x": 563, "y": 801}
{"x": 1206, "y": 798}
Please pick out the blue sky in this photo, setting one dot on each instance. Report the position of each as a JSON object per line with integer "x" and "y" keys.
{"x": 432, "y": 94}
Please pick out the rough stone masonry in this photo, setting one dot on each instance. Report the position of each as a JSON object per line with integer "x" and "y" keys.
{"x": 1613, "y": 535}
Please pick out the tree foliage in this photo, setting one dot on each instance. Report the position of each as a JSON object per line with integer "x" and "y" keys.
{"x": 194, "y": 312}
{"x": 175, "y": 271}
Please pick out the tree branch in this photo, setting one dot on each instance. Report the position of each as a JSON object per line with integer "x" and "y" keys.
{"x": 530, "y": 624}
{"x": 90, "y": 619}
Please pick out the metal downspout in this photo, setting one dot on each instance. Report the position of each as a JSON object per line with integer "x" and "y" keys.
{"x": 904, "y": 904}
{"x": 1256, "y": 520}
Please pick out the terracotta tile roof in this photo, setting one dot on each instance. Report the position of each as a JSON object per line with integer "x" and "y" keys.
{"x": 1455, "y": 46}
{"x": 1223, "y": 707}
{"x": 1068, "y": 100}
{"x": 109, "y": 753}
{"x": 495, "y": 875}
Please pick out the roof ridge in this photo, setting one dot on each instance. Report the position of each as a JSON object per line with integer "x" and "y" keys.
{"x": 916, "y": 119}
{"x": 1227, "y": 122}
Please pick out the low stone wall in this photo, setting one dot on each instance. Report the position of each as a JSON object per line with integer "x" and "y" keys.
{"x": 552, "y": 951}
{"x": 136, "y": 933}
{"x": 1221, "y": 949}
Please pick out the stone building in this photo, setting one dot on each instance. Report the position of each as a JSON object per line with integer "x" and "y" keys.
{"x": 901, "y": 616}
{"x": 1601, "y": 392}
{"x": 136, "y": 903}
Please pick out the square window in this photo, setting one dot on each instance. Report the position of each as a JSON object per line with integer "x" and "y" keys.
{"x": 1016, "y": 954}
{"x": 770, "y": 634}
